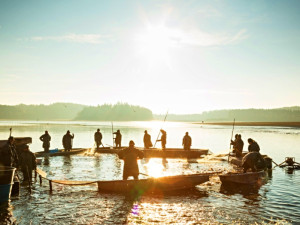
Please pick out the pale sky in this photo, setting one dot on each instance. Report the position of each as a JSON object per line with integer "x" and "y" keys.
{"x": 182, "y": 56}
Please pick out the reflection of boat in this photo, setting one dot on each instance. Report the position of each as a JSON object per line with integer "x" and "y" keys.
{"x": 242, "y": 178}
{"x": 159, "y": 153}
{"x": 61, "y": 152}
{"x": 161, "y": 184}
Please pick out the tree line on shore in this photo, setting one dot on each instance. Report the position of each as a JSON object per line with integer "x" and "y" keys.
{"x": 126, "y": 112}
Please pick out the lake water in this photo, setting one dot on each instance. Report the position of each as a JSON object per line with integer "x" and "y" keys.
{"x": 276, "y": 201}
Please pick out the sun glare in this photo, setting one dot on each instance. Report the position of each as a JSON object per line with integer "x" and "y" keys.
{"x": 154, "y": 43}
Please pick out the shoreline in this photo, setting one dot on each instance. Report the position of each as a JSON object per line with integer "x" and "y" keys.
{"x": 254, "y": 124}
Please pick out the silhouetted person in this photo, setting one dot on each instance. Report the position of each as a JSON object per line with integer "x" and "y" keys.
{"x": 187, "y": 141}
{"x": 27, "y": 163}
{"x": 253, "y": 161}
{"x": 118, "y": 138}
{"x": 130, "y": 156}
{"x": 98, "y": 138}
{"x": 8, "y": 154}
{"x": 163, "y": 139}
{"x": 147, "y": 140}
{"x": 46, "y": 138}
{"x": 239, "y": 145}
{"x": 233, "y": 143}
{"x": 67, "y": 141}
{"x": 253, "y": 146}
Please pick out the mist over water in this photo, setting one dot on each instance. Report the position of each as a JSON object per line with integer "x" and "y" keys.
{"x": 276, "y": 200}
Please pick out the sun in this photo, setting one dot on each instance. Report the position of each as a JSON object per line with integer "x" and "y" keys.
{"x": 154, "y": 43}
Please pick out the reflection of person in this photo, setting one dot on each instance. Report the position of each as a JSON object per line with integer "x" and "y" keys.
{"x": 67, "y": 141}
{"x": 118, "y": 138}
{"x": 27, "y": 163}
{"x": 253, "y": 161}
{"x": 253, "y": 146}
{"x": 187, "y": 141}
{"x": 8, "y": 154}
{"x": 46, "y": 138}
{"x": 163, "y": 139}
{"x": 98, "y": 138}
{"x": 130, "y": 156}
{"x": 147, "y": 140}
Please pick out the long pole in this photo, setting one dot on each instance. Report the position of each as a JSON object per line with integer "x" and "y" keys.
{"x": 10, "y": 129}
{"x": 161, "y": 128}
{"x": 112, "y": 132}
{"x": 231, "y": 137}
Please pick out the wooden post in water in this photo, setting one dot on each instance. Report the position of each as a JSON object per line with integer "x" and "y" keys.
{"x": 50, "y": 184}
{"x": 40, "y": 180}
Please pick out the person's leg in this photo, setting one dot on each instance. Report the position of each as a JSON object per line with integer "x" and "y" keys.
{"x": 136, "y": 177}
{"x": 125, "y": 176}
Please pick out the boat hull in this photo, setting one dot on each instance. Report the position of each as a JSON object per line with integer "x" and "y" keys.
{"x": 61, "y": 152}
{"x": 161, "y": 184}
{"x": 159, "y": 153}
{"x": 242, "y": 178}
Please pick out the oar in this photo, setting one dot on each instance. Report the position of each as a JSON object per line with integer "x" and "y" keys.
{"x": 145, "y": 174}
{"x": 10, "y": 130}
{"x": 231, "y": 138}
{"x": 275, "y": 163}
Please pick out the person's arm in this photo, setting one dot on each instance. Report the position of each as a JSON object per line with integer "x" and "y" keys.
{"x": 49, "y": 138}
{"x": 41, "y": 137}
{"x": 140, "y": 154}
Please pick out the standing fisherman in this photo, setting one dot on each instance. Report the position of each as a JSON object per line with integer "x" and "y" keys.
{"x": 130, "y": 156}
{"x": 98, "y": 138}
{"x": 8, "y": 154}
{"x": 147, "y": 140}
{"x": 67, "y": 141}
{"x": 163, "y": 139}
{"x": 27, "y": 163}
{"x": 118, "y": 138}
{"x": 187, "y": 141}
{"x": 46, "y": 138}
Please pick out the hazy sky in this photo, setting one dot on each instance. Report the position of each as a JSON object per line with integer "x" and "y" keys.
{"x": 185, "y": 56}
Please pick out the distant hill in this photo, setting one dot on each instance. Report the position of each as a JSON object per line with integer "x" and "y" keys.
{"x": 70, "y": 111}
{"x": 126, "y": 112}
{"x": 118, "y": 112}
{"x": 286, "y": 114}
{"x": 56, "y": 111}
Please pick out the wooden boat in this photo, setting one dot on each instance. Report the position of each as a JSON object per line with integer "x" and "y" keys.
{"x": 61, "y": 152}
{"x": 18, "y": 141}
{"x": 242, "y": 178}
{"x": 159, "y": 153}
{"x": 160, "y": 184}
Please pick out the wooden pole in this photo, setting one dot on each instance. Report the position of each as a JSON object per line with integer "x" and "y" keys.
{"x": 112, "y": 132}
{"x": 231, "y": 138}
{"x": 50, "y": 185}
{"x": 40, "y": 180}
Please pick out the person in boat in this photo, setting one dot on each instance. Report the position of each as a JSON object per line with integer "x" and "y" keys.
{"x": 253, "y": 161}
{"x": 147, "y": 140}
{"x": 234, "y": 142}
{"x": 163, "y": 139}
{"x": 239, "y": 145}
{"x": 253, "y": 146}
{"x": 67, "y": 141}
{"x": 46, "y": 138}
{"x": 27, "y": 163}
{"x": 130, "y": 156}
{"x": 98, "y": 138}
{"x": 118, "y": 138}
{"x": 187, "y": 141}
{"x": 8, "y": 154}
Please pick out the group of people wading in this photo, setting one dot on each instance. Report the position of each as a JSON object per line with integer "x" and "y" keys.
{"x": 253, "y": 159}
{"x": 67, "y": 140}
